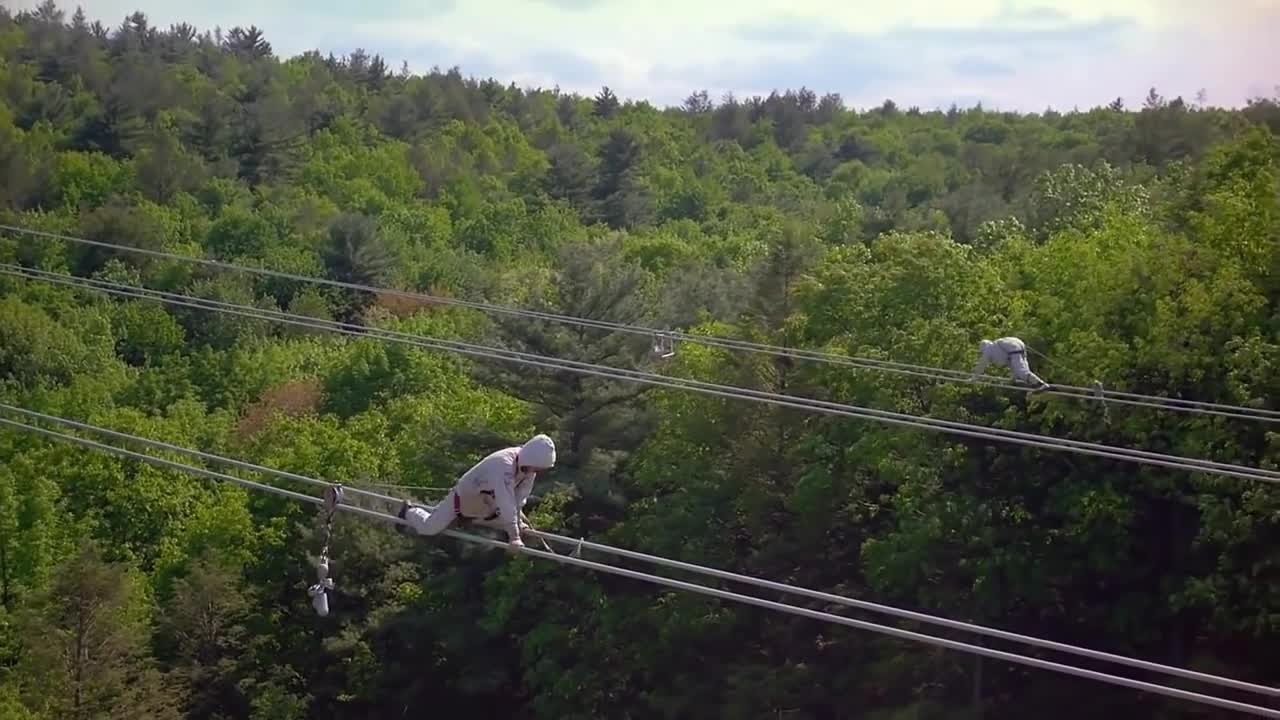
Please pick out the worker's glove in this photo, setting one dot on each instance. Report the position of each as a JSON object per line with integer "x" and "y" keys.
{"x": 517, "y": 543}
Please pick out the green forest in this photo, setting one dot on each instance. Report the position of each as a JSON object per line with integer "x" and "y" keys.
{"x": 1138, "y": 247}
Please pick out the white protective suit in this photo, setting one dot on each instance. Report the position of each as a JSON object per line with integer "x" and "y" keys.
{"x": 492, "y": 493}
{"x": 1012, "y": 353}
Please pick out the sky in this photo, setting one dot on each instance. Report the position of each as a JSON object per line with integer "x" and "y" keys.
{"x": 1022, "y": 55}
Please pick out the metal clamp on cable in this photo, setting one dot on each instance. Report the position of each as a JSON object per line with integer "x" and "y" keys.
{"x": 333, "y": 495}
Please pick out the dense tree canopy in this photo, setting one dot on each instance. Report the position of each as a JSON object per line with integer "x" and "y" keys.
{"x": 1139, "y": 248}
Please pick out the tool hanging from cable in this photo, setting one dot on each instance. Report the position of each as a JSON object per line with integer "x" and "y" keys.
{"x": 319, "y": 592}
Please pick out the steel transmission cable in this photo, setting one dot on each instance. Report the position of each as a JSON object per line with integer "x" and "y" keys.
{"x": 684, "y": 566}
{"x": 729, "y": 391}
{"x": 1127, "y": 398}
{"x": 682, "y": 585}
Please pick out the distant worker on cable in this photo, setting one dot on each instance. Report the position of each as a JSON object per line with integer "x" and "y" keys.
{"x": 1012, "y": 353}
{"x": 492, "y": 493}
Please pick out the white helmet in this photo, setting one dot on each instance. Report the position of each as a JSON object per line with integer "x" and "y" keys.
{"x": 539, "y": 452}
{"x": 985, "y": 344}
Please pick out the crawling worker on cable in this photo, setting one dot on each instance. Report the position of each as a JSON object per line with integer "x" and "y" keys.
{"x": 1012, "y": 353}
{"x": 492, "y": 493}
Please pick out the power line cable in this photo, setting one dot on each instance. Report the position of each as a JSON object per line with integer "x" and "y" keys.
{"x": 1127, "y": 398}
{"x": 728, "y": 391}
{"x": 688, "y": 567}
{"x": 686, "y": 586}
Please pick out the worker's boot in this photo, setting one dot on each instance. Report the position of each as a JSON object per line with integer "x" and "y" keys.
{"x": 404, "y": 508}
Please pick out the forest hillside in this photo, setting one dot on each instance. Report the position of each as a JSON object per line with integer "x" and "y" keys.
{"x": 1135, "y": 247}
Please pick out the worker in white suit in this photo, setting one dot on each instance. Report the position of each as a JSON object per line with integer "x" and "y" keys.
{"x": 1012, "y": 353}
{"x": 492, "y": 493}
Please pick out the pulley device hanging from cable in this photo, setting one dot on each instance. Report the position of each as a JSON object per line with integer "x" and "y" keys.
{"x": 319, "y": 592}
